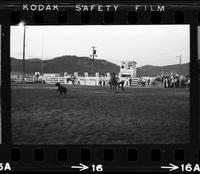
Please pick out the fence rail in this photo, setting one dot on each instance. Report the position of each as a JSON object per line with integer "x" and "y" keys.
{"x": 54, "y": 80}
{"x": 135, "y": 82}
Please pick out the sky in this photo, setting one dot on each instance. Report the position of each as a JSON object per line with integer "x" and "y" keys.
{"x": 157, "y": 45}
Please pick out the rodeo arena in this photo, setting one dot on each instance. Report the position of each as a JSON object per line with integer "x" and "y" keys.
{"x": 145, "y": 110}
{"x": 127, "y": 74}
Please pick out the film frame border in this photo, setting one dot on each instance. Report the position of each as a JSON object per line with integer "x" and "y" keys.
{"x": 120, "y": 153}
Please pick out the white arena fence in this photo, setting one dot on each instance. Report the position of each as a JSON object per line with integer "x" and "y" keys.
{"x": 80, "y": 79}
{"x": 135, "y": 82}
{"x": 92, "y": 81}
{"x": 87, "y": 81}
{"x": 54, "y": 80}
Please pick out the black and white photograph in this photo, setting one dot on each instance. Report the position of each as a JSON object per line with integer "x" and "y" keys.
{"x": 100, "y": 84}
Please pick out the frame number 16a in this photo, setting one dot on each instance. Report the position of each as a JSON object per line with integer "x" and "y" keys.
{"x": 190, "y": 168}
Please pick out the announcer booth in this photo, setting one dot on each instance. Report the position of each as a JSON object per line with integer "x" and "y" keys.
{"x": 127, "y": 72}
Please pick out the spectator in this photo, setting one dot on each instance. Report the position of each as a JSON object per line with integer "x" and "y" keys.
{"x": 130, "y": 81}
{"x": 148, "y": 81}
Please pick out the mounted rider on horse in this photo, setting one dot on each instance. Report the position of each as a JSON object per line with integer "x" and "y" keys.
{"x": 114, "y": 82}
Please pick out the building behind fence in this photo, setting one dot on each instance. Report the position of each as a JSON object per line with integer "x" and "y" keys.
{"x": 70, "y": 79}
{"x": 127, "y": 74}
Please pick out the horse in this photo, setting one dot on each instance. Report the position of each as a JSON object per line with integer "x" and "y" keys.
{"x": 113, "y": 82}
{"x": 72, "y": 79}
{"x": 122, "y": 85}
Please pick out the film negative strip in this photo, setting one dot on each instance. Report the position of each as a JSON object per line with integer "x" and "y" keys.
{"x": 100, "y": 86}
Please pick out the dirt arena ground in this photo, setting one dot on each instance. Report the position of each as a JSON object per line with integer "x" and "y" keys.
{"x": 95, "y": 115}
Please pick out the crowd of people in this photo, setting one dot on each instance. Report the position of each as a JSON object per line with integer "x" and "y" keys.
{"x": 167, "y": 81}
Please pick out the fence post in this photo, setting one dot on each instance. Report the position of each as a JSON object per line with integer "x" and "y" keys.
{"x": 97, "y": 79}
{"x": 65, "y": 78}
{"x": 86, "y": 75}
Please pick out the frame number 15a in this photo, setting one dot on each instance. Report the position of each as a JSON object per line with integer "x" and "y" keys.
{"x": 5, "y": 167}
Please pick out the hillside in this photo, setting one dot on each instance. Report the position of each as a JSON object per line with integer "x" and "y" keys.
{"x": 64, "y": 64}
{"x": 84, "y": 64}
{"x": 153, "y": 71}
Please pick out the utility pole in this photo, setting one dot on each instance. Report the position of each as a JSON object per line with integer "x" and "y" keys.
{"x": 42, "y": 66}
{"x": 24, "y": 40}
{"x": 94, "y": 51}
{"x": 42, "y": 53}
{"x": 180, "y": 57}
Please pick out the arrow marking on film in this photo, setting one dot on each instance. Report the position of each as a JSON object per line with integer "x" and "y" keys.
{"x": 171, "y": 167}
{"x": 81, "y": 167}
